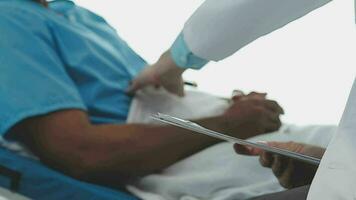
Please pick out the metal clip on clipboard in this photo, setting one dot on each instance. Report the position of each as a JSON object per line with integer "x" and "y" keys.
{"x": 185, "y": 124}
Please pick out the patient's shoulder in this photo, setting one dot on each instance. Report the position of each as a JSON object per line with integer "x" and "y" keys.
{"x": 22, "y": 9}
{"x": 25, "y": 16}
{"x": 18, "y": 24}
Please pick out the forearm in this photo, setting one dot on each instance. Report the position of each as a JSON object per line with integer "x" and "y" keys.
{"x": 136, "y": 150}
{"x": 67, "y": 141}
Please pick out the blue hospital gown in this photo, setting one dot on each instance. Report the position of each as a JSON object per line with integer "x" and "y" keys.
{"x": 63, "y": 57}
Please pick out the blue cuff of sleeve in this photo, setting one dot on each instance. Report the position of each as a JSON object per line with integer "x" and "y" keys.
{"x": 183, "y": 57}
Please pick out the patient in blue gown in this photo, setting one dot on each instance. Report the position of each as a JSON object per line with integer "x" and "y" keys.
{"x": 63, "y": 81}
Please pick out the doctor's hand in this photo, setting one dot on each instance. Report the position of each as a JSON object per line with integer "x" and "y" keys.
{"x": 251, "y": 115}
{"x": 164, "y": 73}
{"x": 291, "y": 173}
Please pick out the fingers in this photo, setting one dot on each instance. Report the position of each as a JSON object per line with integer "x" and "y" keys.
{"x": 289, "y": 172}
{"x": 266, "y": 159}
{"x": 286, "y": 176}
{"x": 274, "y": 106}
{"x": 272, "y": 127}
{"x": 257, "y": 95}
{"x": 134, "y": 86}
{"x": 258, "y": 99}
{"x": 240, "y": 149}
{"x": 177, "y": 88}
{"x": 282, "y": 167}
{"x": 268, "y": 104}
{"x": 139, "y": 83}
{"x": 292, "y": 146}
{"x": 166, "y": 76}
{"x": 272, "y": 112}
{"x": 237, "y": 95}
{"x": 272, "y": 160}
{"x": 273, "y": 122}
{"x": 246, "y": 150}
{"x": 279, "y": 165}
{"x": 146, "y": 78}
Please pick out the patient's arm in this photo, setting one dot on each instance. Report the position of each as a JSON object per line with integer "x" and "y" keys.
{"x": 67, "y": 141}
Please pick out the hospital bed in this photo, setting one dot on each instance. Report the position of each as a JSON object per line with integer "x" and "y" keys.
{"x": 27, "y": 176}
{"x": 193, "y": 175}
{"x": 32, "y": 179}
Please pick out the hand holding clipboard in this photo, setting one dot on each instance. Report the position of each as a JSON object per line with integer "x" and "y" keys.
{"x": 199, "y": 129}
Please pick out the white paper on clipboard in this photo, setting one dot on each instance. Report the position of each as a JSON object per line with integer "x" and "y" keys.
{"x": 199, "y": 129}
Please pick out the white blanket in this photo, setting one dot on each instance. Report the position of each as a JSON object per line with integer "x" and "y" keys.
{"x": 194, "y": 105}
{"x": 216, "y": 173}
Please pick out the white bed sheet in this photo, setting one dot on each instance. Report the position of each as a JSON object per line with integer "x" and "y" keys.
{"x": 216, "y": 173}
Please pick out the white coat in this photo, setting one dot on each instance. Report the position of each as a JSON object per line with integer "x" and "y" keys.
{"x": 219, "y": 28}
{"x": 336, "y": 176}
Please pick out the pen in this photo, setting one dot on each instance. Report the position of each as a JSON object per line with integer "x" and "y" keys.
{"x": 193, "y": 84}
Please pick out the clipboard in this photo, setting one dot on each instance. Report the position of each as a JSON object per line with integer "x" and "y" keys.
{"x": 185, "y": 124}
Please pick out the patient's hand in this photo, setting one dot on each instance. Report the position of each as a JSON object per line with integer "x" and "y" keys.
{"x": 251, "y": 115}
{"x": 291, "y": 173}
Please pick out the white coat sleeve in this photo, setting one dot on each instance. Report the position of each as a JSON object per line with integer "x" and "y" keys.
{"x": 219, "y": 28}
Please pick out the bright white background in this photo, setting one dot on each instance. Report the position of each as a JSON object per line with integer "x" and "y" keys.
{"x": 308, "y": 66}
